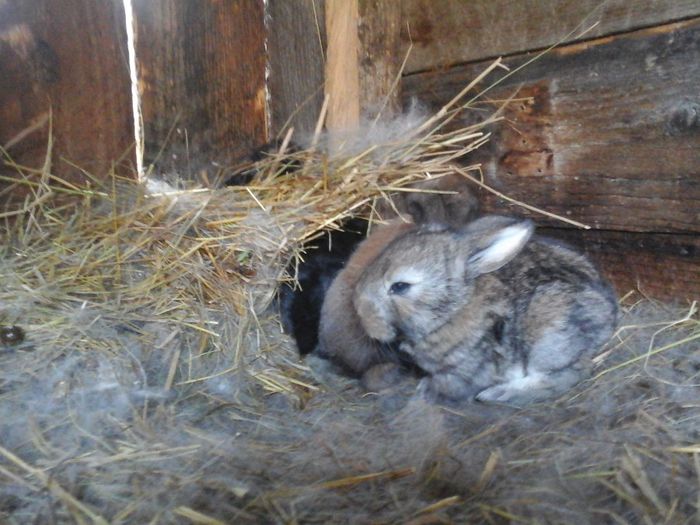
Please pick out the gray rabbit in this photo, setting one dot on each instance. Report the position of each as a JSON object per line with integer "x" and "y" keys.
{"x": 342, "y": 338}
{"x": 488, "y": 310}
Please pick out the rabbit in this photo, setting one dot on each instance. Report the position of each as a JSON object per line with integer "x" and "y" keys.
{"x": 300, "y": 308}
{"x": 452, "y": 209}
{"x": 489, "y": 311}
{"x": 341, "y": 336}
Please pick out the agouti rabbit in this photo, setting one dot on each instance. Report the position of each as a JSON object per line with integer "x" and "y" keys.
{"x": 341, "y": 336}
{"x": 488, "y": 311}
{"x": 301, "y": 308}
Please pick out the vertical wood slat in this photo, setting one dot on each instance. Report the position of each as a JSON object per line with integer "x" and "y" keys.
{"x": 342, "y": 66}
{"x": 380, "y": 56}
{"x": 70, "y": 58}
{"x": 296, "y": 43}
{"x": 362, "y": 61}
{"x": 201, "y": 69}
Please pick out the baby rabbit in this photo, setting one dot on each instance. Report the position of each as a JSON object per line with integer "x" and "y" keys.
{"x": 300, "y": 308}
{"x": 342, "y": 338}
{"x": 453, "y": 209}
{"x": 488, "y": 311}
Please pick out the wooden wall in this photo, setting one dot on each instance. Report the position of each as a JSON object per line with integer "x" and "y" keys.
{"x": 67, "y": 58}
{"x": 606, "y": 130}
{"x": 201, "y": 69}
{"x": 297, "y": 48}
{"x": 201, "y": 84}
{"x": 450, "y": 32}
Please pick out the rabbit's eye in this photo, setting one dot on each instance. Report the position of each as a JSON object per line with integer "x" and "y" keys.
{"x": 399, "y": 288}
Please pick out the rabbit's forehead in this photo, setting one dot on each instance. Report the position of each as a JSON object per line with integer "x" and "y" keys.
{"x": 412, "y": 258}
{"x": 420, "y": 244}
{"x": 406, "y": 273}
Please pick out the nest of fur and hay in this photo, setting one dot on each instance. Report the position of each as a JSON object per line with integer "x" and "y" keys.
{"x": 144, "y": 377}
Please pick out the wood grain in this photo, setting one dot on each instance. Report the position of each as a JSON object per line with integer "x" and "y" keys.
{"x": 607, "y": 131}
{"x": 68, "y": 58}
{"x": 342, "y": 64}
{"x": 201, "y": 69}
{"x": 296, "y": 43}
{"x": 450, "y": 32}
{"x": 662, "y": 266}
{"x": 380, "y": 57}
{"x": 363, "y": 61}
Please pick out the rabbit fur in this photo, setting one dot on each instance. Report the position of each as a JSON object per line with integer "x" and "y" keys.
{"x": 453, "y": 209}
{"x": 342, "y": 338}
{"x": 300, "y": 308}
{"x": 489, "y": 311}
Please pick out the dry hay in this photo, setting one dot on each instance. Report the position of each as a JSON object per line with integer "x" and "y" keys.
{"x": 154, "y": 384}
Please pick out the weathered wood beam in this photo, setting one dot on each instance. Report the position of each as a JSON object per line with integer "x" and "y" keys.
{"x": 342, "y": 64}
{"x": 605, "y": 132}
{"x": 450, "y": 32}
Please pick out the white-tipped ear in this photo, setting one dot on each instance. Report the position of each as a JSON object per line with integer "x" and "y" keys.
{"x": 502, "y": 246}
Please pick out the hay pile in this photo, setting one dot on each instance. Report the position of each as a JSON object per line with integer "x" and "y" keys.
{"x": 153, "y": 383}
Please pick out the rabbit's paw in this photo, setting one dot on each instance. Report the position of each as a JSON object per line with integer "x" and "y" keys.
{"x": 498, "y": 394}
{"x": 445, "y": 388}
{"x": 518, "y": 390}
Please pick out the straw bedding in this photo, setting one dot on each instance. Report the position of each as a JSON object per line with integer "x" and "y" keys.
{"x": 153, "y": 384}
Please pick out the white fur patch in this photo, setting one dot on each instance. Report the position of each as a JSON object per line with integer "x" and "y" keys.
{"x": 552, "y": 350}
{"x": 513, "y": 387}
{"x": 516, "y": 378}
{"x": 508, "y": 242}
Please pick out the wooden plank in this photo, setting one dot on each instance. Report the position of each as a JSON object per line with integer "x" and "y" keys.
{"x": 662, "y": 266}
{"x": 451, "y": 32}
{"x": 68, "y": 58}
{"x": 379, "y": 32}
{"x": 201, "y": 69}
{"x": 296, "y": 43}
{"x": 607, "y": 133}
{"x": 342, "y": 66}
{"x": 363, "y": 61}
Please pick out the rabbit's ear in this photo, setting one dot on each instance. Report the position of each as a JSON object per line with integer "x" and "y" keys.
{"x": 499, "y": 247}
